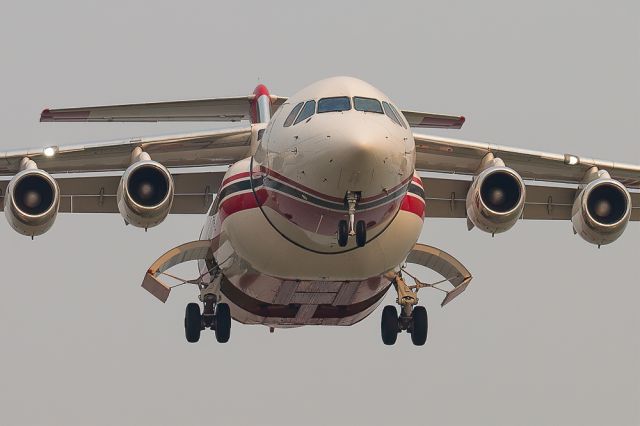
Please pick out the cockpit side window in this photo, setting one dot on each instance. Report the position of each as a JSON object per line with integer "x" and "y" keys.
{"x": 292, "y": 115}
{"x": 308, "y": 110}
{"x": 367, "y": 104}
{"x": 399, "y": 115}
{"x": 335, "y": 104}
{"x": 390, "y": 113}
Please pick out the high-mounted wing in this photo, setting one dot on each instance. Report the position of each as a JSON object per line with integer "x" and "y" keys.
{"x": 434, "y": 121}
{"x": 41, "y": 182}
{"x": 508, "y": 184}
{"x": 444, "y": 155}
{"x": 216, "y": 109}
{"x": 217, "y": 147}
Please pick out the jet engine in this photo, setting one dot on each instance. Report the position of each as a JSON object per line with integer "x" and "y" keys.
{"x": 495, "y": 199}
{"x": 601, "y": 210}
{"x": 31, "y": 202}
{"x": 145, "y": 193}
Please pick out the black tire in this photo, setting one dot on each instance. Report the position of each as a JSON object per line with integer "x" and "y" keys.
{"x": 361, "y": 233}
{"x": 389, "y": 325}
{"x": 419, "y": 326}
{"x": 192, "y": 322}
{"x": 343, "y": 233}
{"x": 223, "y": 323}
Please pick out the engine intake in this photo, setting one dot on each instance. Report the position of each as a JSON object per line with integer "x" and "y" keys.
{"x": 601, "y": 211}
{"x": 32, "y": 202}
{"x": 496, "y": 199}
{"x": 145, "y": 194}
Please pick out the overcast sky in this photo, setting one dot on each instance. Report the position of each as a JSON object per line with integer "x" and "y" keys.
{"x": 547, "y": 332}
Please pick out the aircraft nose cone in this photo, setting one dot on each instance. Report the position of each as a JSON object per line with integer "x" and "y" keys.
{"x": 369, "y": 160}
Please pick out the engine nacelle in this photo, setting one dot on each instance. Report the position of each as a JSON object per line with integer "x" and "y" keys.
{"x": 601, "y": 211}
{"x": 145, "y": 194}
{"x": 32, "y": 201}
{"x": 496, "y": 199}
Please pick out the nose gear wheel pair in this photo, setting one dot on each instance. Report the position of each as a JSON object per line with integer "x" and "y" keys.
{"x": 352, "y": 228}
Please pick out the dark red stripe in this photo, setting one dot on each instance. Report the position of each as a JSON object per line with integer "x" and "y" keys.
{"x": 413, "y": 205}
{"x": 240, "y": 202}
{"x": 235, "y": 177}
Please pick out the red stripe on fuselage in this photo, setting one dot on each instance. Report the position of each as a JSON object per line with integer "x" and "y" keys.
{"x": 414, "y": 205}
{"x": 244, "y": 201}
{"x": 234, "y": 177}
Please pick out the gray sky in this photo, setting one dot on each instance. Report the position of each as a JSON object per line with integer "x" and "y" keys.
{"x": 547, "y": 332}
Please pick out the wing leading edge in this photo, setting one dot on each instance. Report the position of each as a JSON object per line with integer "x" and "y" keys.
{"x": 217, "y": 147}
{"x": 444, "y": 155}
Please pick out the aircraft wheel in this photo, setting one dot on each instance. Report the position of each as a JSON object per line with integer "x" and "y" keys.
{"x": 389, "y": 325}
{"x": 343, "y": 233}
{"x": 361, "y": 233}
{"x": 420, "y": 325}
{"x": 192, "y": 322}
{"x": 223, "y": 323}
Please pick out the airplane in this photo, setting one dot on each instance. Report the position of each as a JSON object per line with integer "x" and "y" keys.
{"x": 321, "y": 205}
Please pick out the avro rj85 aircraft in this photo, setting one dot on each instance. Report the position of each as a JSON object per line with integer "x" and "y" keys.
{"x": 322, "y": 203}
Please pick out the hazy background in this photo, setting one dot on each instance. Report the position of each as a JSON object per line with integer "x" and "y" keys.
{"x": 547, "y": 333}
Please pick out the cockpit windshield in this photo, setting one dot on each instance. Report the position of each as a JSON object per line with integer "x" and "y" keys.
{"x": 367, "y": 105}
{"x": 340, "y": 103}
{"x": 308, "y": 110}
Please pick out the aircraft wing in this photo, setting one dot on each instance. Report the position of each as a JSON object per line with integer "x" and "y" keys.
{"x": 209, "y": 148}
{"x": 74, "y": 167}
{"x": 444, "y": 155}
{"x": 551, "y": 179}
{"x": 216, "y": 109}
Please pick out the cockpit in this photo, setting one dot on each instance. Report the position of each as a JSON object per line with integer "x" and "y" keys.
{"x": 303, "y": 111}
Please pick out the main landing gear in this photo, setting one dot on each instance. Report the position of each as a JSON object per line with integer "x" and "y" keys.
{"x": 412, "y": 319}
{"x": 350, "y": 228}
{"x": 216, "y": 316}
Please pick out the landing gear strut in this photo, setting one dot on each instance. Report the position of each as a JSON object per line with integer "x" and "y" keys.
{"x": 412, "y": 319}
{"x": 352, "y": 228}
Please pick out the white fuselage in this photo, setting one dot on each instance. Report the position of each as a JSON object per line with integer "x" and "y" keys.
{"x": 275, "y": 221}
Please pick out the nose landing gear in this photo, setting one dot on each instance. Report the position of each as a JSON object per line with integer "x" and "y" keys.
{"x": 351, "y": 228}
{"x": 412, "y": 319}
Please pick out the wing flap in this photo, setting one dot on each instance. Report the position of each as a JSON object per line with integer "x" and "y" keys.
{"x": 194, "y": 193}
{"x": 446, "y": 198}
